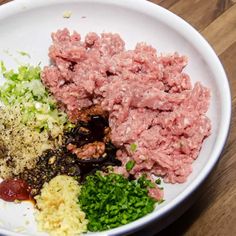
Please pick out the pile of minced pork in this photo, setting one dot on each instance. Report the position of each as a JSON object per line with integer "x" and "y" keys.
{"x": 88, "y": 137}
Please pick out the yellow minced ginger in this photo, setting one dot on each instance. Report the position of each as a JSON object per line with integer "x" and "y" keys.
{"x": 58, "y": 211}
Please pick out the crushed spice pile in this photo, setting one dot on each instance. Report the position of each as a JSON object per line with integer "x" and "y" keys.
{"x": 20, "y": 144}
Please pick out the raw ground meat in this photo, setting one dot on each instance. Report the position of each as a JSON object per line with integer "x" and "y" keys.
{"x": 150, "y": 100}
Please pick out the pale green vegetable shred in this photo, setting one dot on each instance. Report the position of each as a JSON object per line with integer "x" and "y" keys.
{"x": 25, "y": 89}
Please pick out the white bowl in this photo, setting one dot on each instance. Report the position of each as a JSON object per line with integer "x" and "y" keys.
{"x": 25, "y": 25}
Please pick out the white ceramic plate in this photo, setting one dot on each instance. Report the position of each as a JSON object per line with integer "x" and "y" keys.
{"x": 26, "y": 25}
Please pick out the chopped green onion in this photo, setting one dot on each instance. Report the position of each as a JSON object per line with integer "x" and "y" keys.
{"x": 133, "y": 147}
{"x": 129, "y": 165}
{"x": 158, "y": 181}
{"x": 2, "y": 67}
{"x": 112, "y": 200}
{"x": 22, "y": 53}
{"x": 144, "y": 182}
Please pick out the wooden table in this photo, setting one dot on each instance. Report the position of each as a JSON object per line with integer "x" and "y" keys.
{"x": 214, "y": 213}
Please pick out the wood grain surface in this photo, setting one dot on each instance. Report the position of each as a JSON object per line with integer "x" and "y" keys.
{"x": 214, "y": 213}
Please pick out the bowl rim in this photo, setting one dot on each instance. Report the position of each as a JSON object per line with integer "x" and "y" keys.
{"x": 159, "y": 13}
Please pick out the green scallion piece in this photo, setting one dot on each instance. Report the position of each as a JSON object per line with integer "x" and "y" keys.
{"x": 133, "y": 147}
{"x": 129, "y": 165}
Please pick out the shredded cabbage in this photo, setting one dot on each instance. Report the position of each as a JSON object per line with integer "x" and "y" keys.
{"x": 25, "y": 89}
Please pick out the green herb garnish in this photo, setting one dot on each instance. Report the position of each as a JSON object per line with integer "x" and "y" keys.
{"x": 133, "y": 147}
{"x": 112, "y": 200}
{"x": 144, "y": 182}
{"x": 158, "y": 181}
{"x": 129, "y": 165}
{"x": 22, "y": 53}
